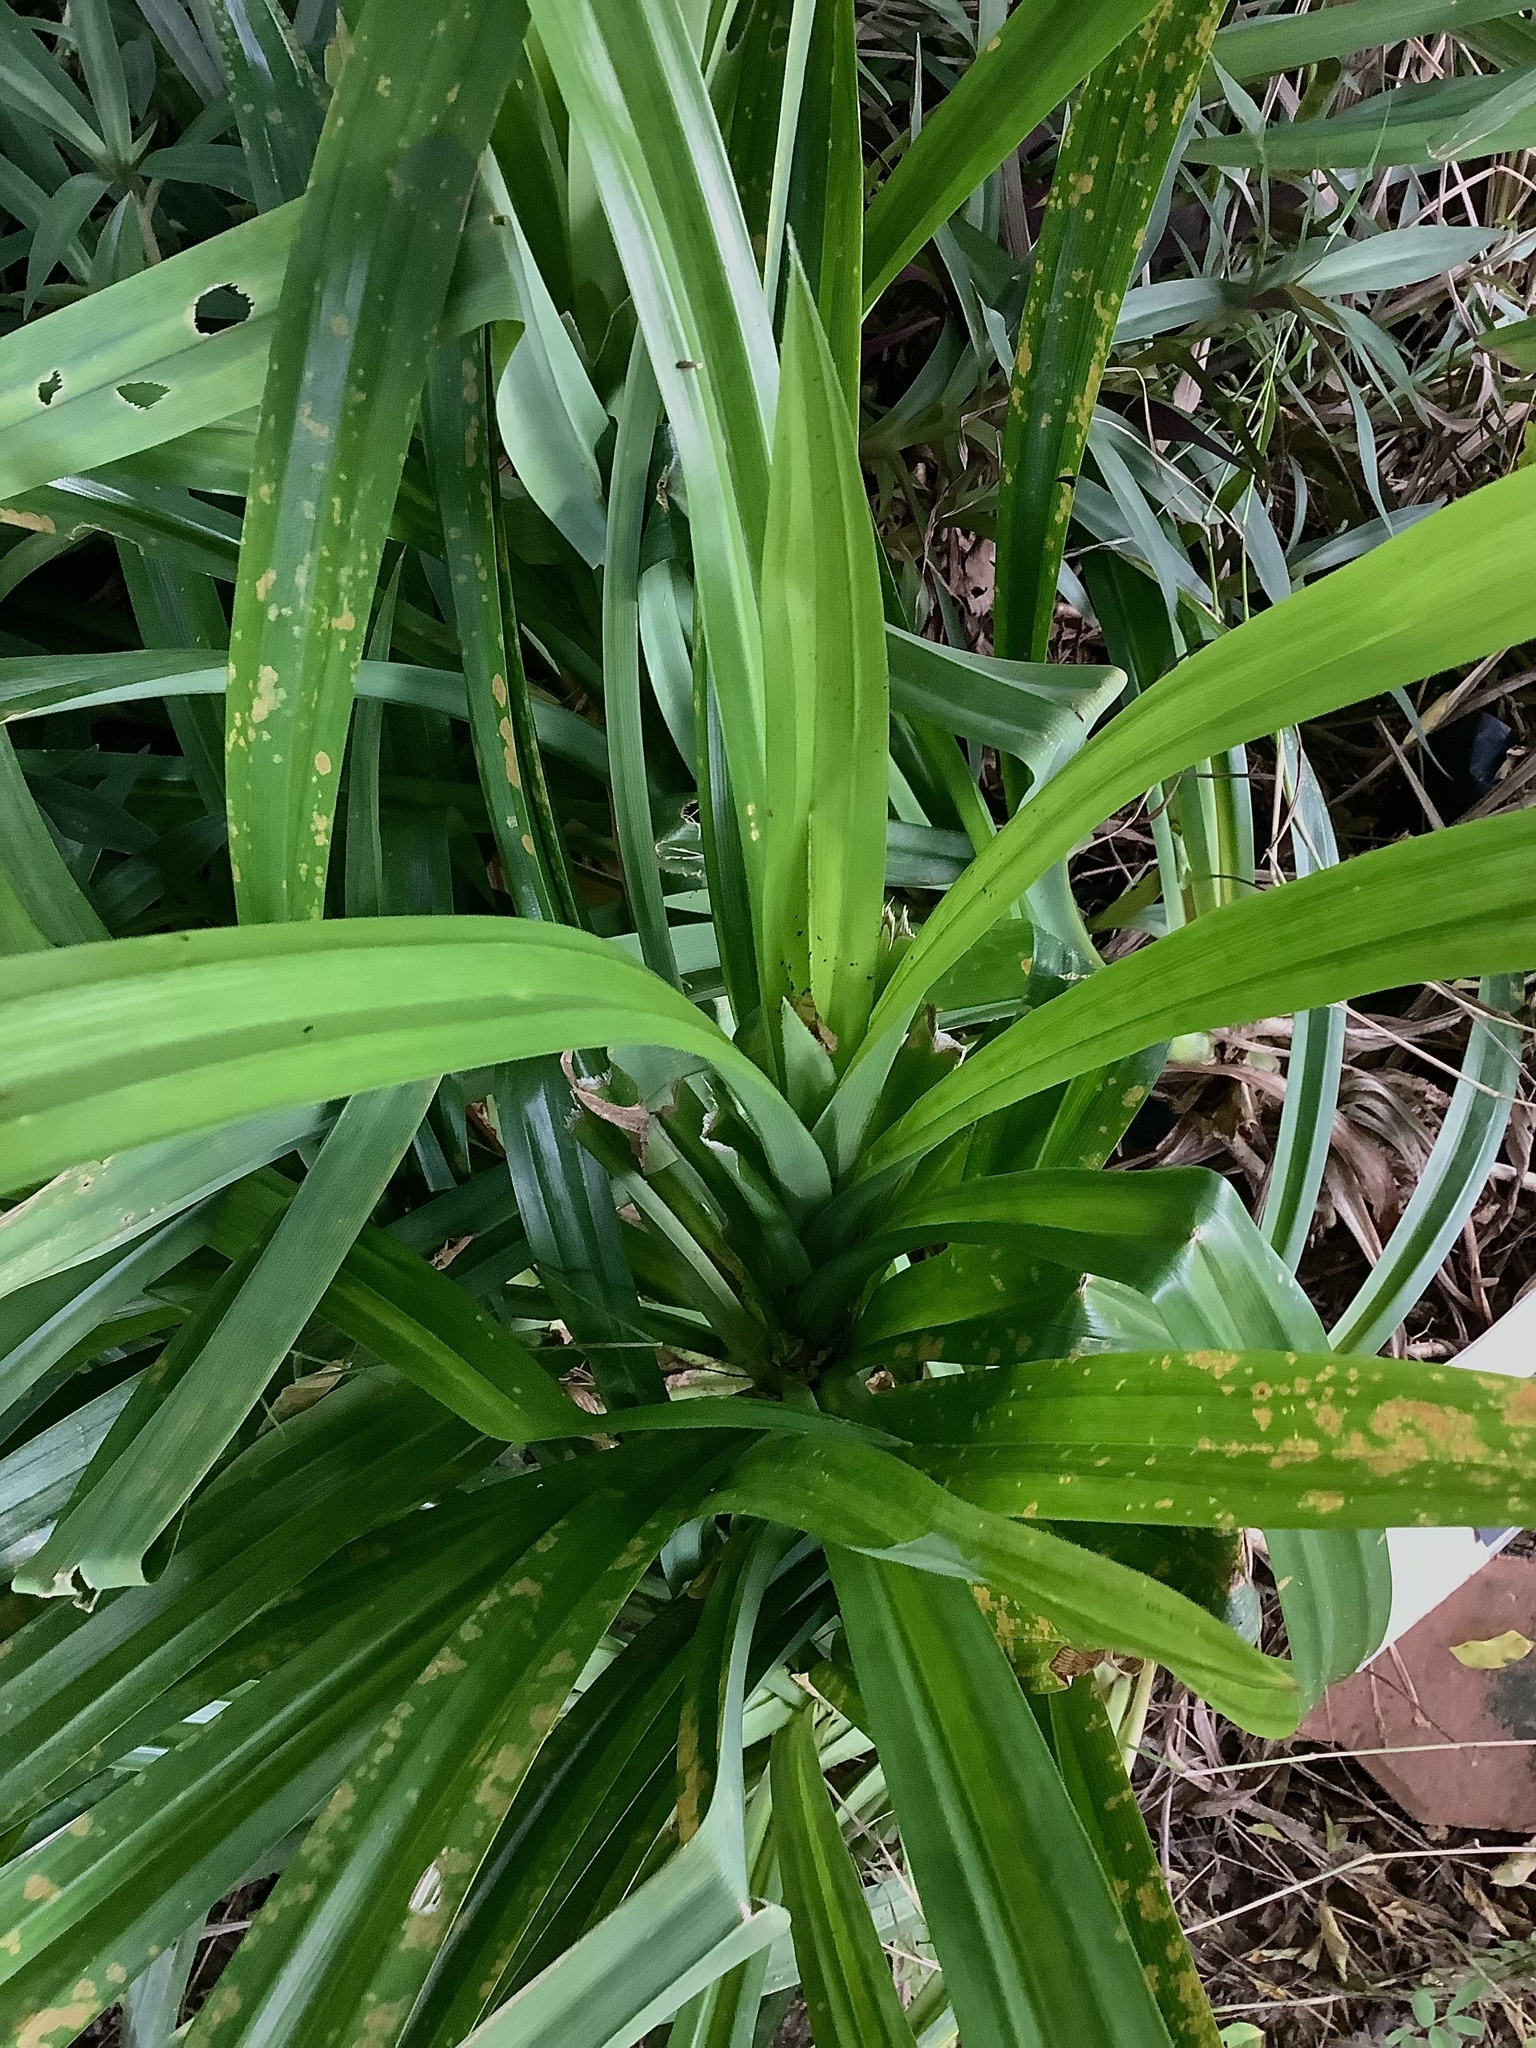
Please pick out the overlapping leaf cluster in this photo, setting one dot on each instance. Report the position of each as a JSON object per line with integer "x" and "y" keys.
{"x": 559, "y": 1281}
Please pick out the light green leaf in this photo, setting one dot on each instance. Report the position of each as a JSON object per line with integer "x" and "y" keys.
{"x": 1434, "y": 596}
{"x": 94, "y": 1208}
{"x": 1452, "y": 904}
{"x": 1453, "y": 1177}
{"x": 824, "y": 664}
{"x": 1283, "y": 42}
{"x": 631, "y": 81}
{"x": 1403, "y": 126}
{"x": 265, "y": 1017}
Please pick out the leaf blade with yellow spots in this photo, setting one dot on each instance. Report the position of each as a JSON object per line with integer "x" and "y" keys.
{"x": 1117, "y": 147}
{"x": 1227, "y": 1439}
{"x": 344, "y": 1944}
{"x": 362, "y": 294}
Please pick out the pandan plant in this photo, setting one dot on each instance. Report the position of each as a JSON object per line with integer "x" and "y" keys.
{"x": 571, "y": 1283}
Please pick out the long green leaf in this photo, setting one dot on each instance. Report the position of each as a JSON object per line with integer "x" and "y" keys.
{"x": 362, "y": 295}
{"x": 265, "y": 1016}
{"x": 93, "y": 1902}
{"x": 181, "y": 1419}
{"x": 1088, "y": 1757}
{"x": 1317, "y": 1044}
{"x": 639, "y": 415}
{"x": 1437, "y": 908}
{"x": 1453, "y": 1177}
{"x": 199, "y": 325}
{"x": 389, "y": 1298}
{"x": 564, "y": 1829}
{"x": 1283, "y": 42}
{"x": 1033, "y": 1947}
{"x": 458, "y": 437}
{"x": 360, "y": 1913}
{"x": 631, "y": 81}
{"x": 1039, "y": 712}
{"x": 278, "y": 102}
{"x": 1432, "y": 597}
{"x": 693, "y": 1919}
{"x": 72, "y": 1681}
{"x": 1117, "y": 148}
{"x": 1026, "y": 70}
{"x": 824, "y": 663}
{"x": 1228, "y": 1438}
{"x": 1408, "y": 125}
{"x": 867, "y": 1500}
{"x": 847, "y": 1983}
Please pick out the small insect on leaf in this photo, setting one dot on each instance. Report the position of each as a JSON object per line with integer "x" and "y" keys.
{"x": 1492, "y": 1653}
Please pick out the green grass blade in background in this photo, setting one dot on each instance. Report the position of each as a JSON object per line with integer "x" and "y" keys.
{"x": 1032, "y": 1945}
{"x": 362, "y": 296}
{"x": 1281, "y": 42}
{"x": 1317, "y": 1043}
{"x": 1119, "y": 140}
{"x": 1453, "y": 1177}
{"x": 1026, "y": 70}
{"x": 844, "y": 1974}
{"x": 32, "y": 869}
{"x": 824, "y": 661}
{"x": 1408, "y": 125}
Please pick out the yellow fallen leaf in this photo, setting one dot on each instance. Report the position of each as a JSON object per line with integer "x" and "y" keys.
{"x": 1494, "y": 1652}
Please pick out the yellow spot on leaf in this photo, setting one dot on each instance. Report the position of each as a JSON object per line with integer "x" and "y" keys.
{"x": 268, "y": 695}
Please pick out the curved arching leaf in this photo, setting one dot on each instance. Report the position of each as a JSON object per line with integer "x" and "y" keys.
{"x": 142, "y": 1039}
